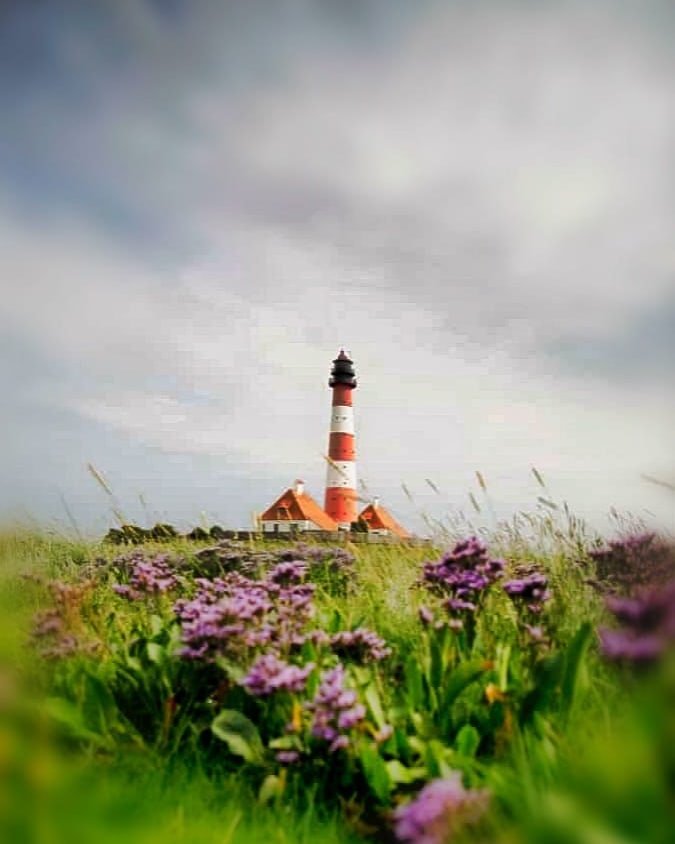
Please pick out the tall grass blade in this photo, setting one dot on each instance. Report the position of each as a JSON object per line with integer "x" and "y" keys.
{"x": 538, "y": 477}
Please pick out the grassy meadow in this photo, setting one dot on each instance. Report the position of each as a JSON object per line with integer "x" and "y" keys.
{"x": 479, "y": 690}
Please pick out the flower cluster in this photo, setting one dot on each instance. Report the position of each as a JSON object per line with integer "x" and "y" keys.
{"x": 634, "y": 561}
{"x": 429, "y": 620}
{"x": 360, "y": 645}
{"x": 293, "y": 602}
{"x": 148, "y": 576}
{"x": 287, "y": 572}
{"x": 647, "y": 625}
{"x": 440, "y": 809}
{"x": 232, "y": 614}
{"x": 331, "y": 567}
{"x": 339, "y": 560}
{"x": 287, "y": 757}
{"x": 462, "y": 575}
{"x": 59, "y": 629}
{"x": 269, "y": 674}
{"x": 229, "y": 555}
{"x": 335, "y": 709}
{"x": 530, "y": 590}
{"x": 227, "y": 615}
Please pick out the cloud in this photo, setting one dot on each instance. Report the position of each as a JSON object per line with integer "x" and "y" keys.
{"x": 474, "y": 200}
{"x": 491, "y": 163}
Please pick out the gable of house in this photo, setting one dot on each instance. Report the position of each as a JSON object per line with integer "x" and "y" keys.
{"x": 298, "y": 507}
{"x": 379, "y": 519}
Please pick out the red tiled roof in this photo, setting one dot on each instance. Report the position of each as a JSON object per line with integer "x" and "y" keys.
{"x": 377, "y": 518}
{"x": 294, "y": 507}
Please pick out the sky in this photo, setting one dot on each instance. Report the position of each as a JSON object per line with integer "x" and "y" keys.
{"x": 201, "y": 203}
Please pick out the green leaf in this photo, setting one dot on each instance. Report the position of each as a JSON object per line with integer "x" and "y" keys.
{"x": 460, "y": 679}
{"x": 417, "y": 745}
{"x": 134, "y": 663}
{"x": 70, "y": 716}
{"x": 434, "y": 758}
{"x": 290, "y": 742}
{"x": 414, "y": 683}
{"x": 547, "y": 680}
{"x": 240, "y": 734}
{"x": 335, "y": 621}
{"x": 375, "y": 772}
{"x": 437, "y": 648}
{"x": 309, "y": 653}
{"x": 467, "y": 740}
{"x": 573, "y": 662}
{"x": 502, "y": 666}
{"x": 372, "y": 698}
{"x": 98, "y": 706}
{"x": 155, "y": 652}
{"x": 233, "y": 671}
{"x": 399, "y": 773}
{"x": 272, "y": 788}
{"x": 402, "y": 746}
{"x": 361, "y": 673}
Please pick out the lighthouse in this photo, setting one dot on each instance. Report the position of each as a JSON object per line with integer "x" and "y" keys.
{"x": 340, "y": 501}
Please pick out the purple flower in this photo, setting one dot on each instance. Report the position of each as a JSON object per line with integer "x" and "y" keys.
{"x": 344, "y": 700}
{"x": 46, "y": 623}
{"x": 287, "y": 757}
{"x": 535, "y": 632}
{"x": 634, "y": 561}
{"x": 648, "y": 625}
{"x": 529, "y": 590}
{"x": 426, "y": 616}
{"x": 384, "y": 734}
{"x": 440, "y": 809}
{"x": 530, "y": 587}
{"x": 270, "y": 674}
{"x": 621, "y": 645}
{"x": 148, "y": 576}
{"x": 335, "y": 709}
{"x": 337, "y": 563}
{"x": 126, "y": 591}
{"x": 233, "y": 614}
{"x": 64, "y": 647}
{"x": 349, "y": 718}
{"x": 643, "y": 613}
{"x": 457, "y": 604}
{"x": 462, "y": 575}
{"x": 58, "y": 631}
{"x": 360, "y": 645}
{"x": 338, "y": 743}
{"x": 285, "y": 573}
{"x": 514, "y": 587}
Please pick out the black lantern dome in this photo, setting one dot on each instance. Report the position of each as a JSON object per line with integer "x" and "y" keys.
{"x": 342, "y": 371}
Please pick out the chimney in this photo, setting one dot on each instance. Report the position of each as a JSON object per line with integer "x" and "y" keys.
{"x": 376, "y": 501}
{"x": 299, "y": 487}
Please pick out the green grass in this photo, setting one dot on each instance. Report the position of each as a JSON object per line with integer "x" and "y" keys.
{"x": 601, "y": 775}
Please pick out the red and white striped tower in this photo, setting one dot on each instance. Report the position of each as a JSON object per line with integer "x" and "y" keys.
{"x": 341, "y": 502}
